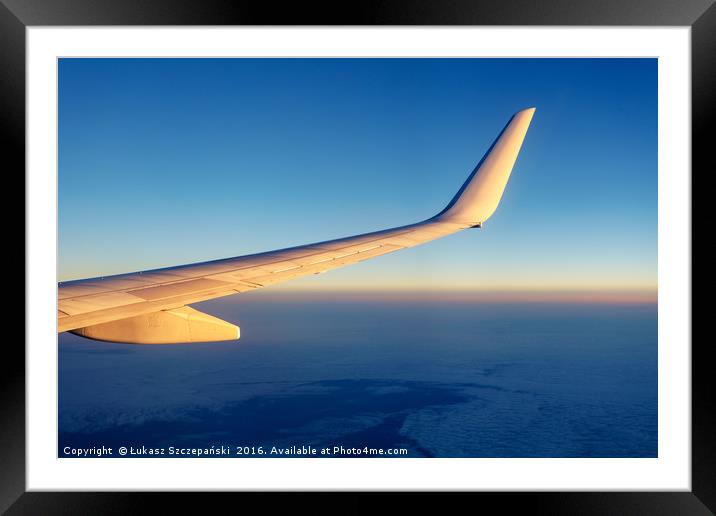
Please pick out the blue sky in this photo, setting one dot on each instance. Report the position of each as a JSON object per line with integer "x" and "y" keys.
{"x": 171, "y": 161}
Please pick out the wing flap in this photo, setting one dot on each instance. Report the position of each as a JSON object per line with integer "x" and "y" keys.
{"x": 324, "y": 265}
{"x": 95, "y": 302}
{"x": 180, "y": 288}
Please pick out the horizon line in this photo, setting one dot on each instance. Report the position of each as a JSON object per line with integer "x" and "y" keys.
{"x": 630, "y": 296}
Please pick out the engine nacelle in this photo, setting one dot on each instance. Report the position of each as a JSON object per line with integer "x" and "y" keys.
{"x": 173, "y": 326}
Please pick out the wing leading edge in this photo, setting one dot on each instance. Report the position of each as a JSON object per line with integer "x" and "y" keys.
{"x": 148, "y": 307}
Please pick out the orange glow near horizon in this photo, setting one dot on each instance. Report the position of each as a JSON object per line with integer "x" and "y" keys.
{"x": 645, "y": 296}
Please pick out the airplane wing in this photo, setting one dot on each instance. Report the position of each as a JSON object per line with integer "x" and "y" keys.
{"x": 150, "y": 307}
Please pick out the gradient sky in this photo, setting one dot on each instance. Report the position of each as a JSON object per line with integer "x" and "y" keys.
{"x": 171, "y": 161}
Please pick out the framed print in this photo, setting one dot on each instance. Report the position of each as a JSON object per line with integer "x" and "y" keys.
{"x": 505, "y": 197}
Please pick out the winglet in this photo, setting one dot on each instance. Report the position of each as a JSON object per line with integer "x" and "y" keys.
{"x": 478, "y": 198}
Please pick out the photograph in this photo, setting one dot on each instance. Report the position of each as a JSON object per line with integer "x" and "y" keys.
{"x": 351, "y": 257}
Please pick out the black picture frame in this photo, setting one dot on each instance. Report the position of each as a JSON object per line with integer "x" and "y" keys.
{"x": 17, "y": 15}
